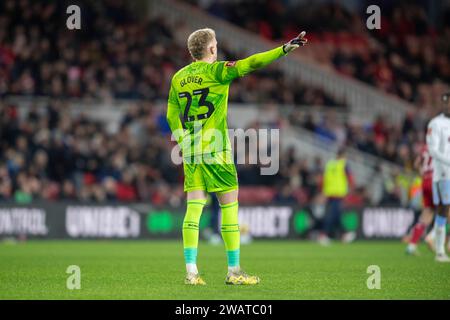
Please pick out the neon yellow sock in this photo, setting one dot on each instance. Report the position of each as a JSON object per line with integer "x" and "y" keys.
{"x": 230, "y": 232}
{"x": 190, "y": 229}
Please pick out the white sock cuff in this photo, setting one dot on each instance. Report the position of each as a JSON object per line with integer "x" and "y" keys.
{"x": 191, "y": 268}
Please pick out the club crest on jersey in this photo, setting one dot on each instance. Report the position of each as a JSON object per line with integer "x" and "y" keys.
{"x": 230, "y": 64}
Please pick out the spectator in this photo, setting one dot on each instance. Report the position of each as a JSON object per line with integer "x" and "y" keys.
{"x": 337, "y": 182}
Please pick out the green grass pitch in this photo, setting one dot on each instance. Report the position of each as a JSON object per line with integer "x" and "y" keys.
{"x": 155, "y": 270}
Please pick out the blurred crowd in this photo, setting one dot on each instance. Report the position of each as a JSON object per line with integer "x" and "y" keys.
{"x": 114, "y": 55}
{"x": 48, "y": 153}
{"x": 408, "y": 56}
{"x": 397, "y": 143}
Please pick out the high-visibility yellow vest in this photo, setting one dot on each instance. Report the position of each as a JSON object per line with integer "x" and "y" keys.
{"x": 416, "y": 188}
{"x": 335, "y": 182}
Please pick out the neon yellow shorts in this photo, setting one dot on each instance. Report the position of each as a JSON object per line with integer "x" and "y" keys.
{"x": 216, "y": 174}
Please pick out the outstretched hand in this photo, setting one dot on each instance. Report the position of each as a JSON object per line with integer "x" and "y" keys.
{"x": 293, "y": 44}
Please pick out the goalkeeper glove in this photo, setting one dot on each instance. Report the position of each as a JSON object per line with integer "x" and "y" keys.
{"x": 295, "y": 43}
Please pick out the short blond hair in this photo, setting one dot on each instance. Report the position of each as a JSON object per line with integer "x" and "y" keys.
{"x": 198, "y": 41}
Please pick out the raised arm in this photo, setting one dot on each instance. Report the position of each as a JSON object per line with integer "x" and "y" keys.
{"x": 260, "y": 60}
{"x": 227, "y": 71}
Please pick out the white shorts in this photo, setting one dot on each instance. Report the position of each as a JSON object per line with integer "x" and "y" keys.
{"x": 441, "y": 192}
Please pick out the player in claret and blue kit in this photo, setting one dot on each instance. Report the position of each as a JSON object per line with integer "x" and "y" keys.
{"x": 199, "y": 94}
{"x": 424, "y": 163}
{"x": 438, "y": 141}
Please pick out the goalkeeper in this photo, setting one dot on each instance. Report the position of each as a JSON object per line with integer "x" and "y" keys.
{"x": 199, "y": 96}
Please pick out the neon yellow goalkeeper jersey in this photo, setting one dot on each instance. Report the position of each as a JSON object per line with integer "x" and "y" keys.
{"x": 198, "y": 101}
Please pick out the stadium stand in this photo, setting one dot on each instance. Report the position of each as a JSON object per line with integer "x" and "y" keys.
{"x": 117, "y": 57}
{"x": 408, "y": 57}
{"x": 47, "y": 154}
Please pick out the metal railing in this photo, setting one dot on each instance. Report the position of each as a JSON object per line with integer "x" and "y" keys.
{"x": 364, "y": 101}
{"x": 369, "y": 171}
